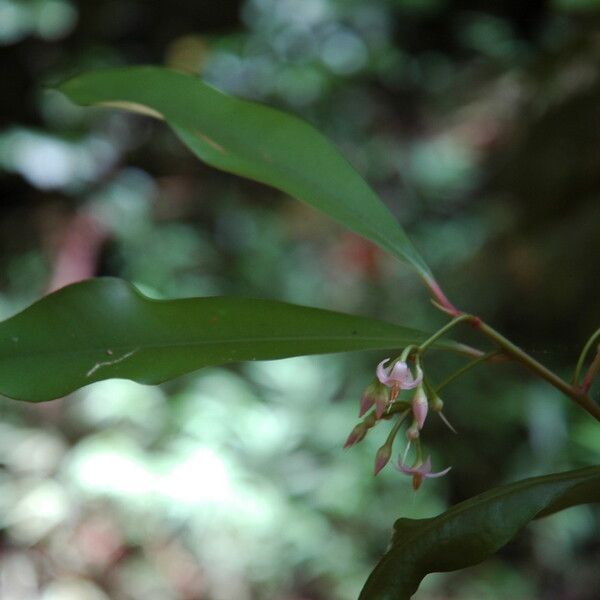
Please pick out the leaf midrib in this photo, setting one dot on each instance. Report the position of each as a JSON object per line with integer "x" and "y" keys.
{"x": 154, "y": 346}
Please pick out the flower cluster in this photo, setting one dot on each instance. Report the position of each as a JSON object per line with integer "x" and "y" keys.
{"x": 383, "y": 394}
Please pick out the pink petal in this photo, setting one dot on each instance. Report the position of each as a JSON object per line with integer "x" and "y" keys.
{"x": 408, "y": 470}
{"x": 438, "y": 474}
{"x": 382, "y": 374}
{"x": 400, "y": 373}
{"x": 413, "y": 382}
{"x": 425, "y": 468}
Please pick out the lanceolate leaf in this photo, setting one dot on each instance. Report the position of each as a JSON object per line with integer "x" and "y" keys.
{"x": 104, "y": 328}
{"x": 254, "y": 141}
{"x": 473, "y": 530}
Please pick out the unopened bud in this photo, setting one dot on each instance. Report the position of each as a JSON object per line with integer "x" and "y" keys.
{"x": 437, "y": 405}
{"x": 375, "y": 394}
{"x": 356, "y": 435}
{"x": 420, "y": 406}
{"x": 382, "y": 457}
{"x": 412, "y": 433}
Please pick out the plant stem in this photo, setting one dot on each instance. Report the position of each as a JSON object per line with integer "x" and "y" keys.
{"x": 418, "y": 452}
{"x": 575, "y": 393}
{"x": 371, "y": 419}
{"x": 441, "y": 300}
{"x": 583, "y": 354}
{"x": 442, "y": 331}
{"x": 592, "y": 372}
{"x": 464, "y": 369}
{"x": 396, "y": 427}
{"x": 406, "y": 352}
{"x": 468, "y": 350}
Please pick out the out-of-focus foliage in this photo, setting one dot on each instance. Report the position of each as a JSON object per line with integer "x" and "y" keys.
{"x": 476, "y": 122}
{"x": 468, "y": 532}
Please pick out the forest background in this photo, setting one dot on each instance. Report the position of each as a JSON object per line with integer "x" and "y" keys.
{"x": 478, "y": 124}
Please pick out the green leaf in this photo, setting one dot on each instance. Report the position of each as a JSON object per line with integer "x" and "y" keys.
{"x": 473, "y": 530}
{"x": 104, "y": 328}
{"x": 253, "y": 141}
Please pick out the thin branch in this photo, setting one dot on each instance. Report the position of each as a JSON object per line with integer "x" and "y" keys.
{"x": 466, "y": 368}
{"x": 594, "y": 369}
{"x": 582, "y": 356}
{"x": 577, "y": 393}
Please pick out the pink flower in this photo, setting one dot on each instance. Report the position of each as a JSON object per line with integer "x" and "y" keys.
{"x": 421, "y": 472}
{"x": 398, "y": 377}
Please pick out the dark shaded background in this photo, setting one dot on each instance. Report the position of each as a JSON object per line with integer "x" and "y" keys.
{"x": 477, "y": 122}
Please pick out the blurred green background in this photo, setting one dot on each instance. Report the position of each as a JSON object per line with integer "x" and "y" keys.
{"x": 477, "y": 122}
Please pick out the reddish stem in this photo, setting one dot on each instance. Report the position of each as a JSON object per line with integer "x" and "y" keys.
{"x": 440, "y": 298}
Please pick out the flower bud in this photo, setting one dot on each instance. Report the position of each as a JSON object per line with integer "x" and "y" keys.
{"x": 437, "y": 405}
{"x": 375, "y": 394}
{"x": 356, "y": 435}
{"x": 420, "y": 406}
{"x": 382, "y": 457}
{"x": 412, "y": 433}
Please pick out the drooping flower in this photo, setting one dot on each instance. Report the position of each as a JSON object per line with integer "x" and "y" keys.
{"x": 398, "y": 377}
{"x": 419, "y": 473}
{"x": 420, "y": 406}
{"x": 398, "y": 374}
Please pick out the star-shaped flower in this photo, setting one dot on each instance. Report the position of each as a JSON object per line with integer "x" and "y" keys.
{"x": 419, "y": 473}
{"x": 398, "y": 377}
{"x": 398, "y": 374}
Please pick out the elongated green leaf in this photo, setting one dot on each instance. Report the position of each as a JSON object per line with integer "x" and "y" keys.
{"x": 254, "y": 141}
{"x": 104, "y": 328}
{"x": 473, "y": 530}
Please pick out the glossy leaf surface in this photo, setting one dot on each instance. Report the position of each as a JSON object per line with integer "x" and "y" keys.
{"x": 254, "y": 141}
{"x": 105, "y": 328}
{"x": 473, "y": 530}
